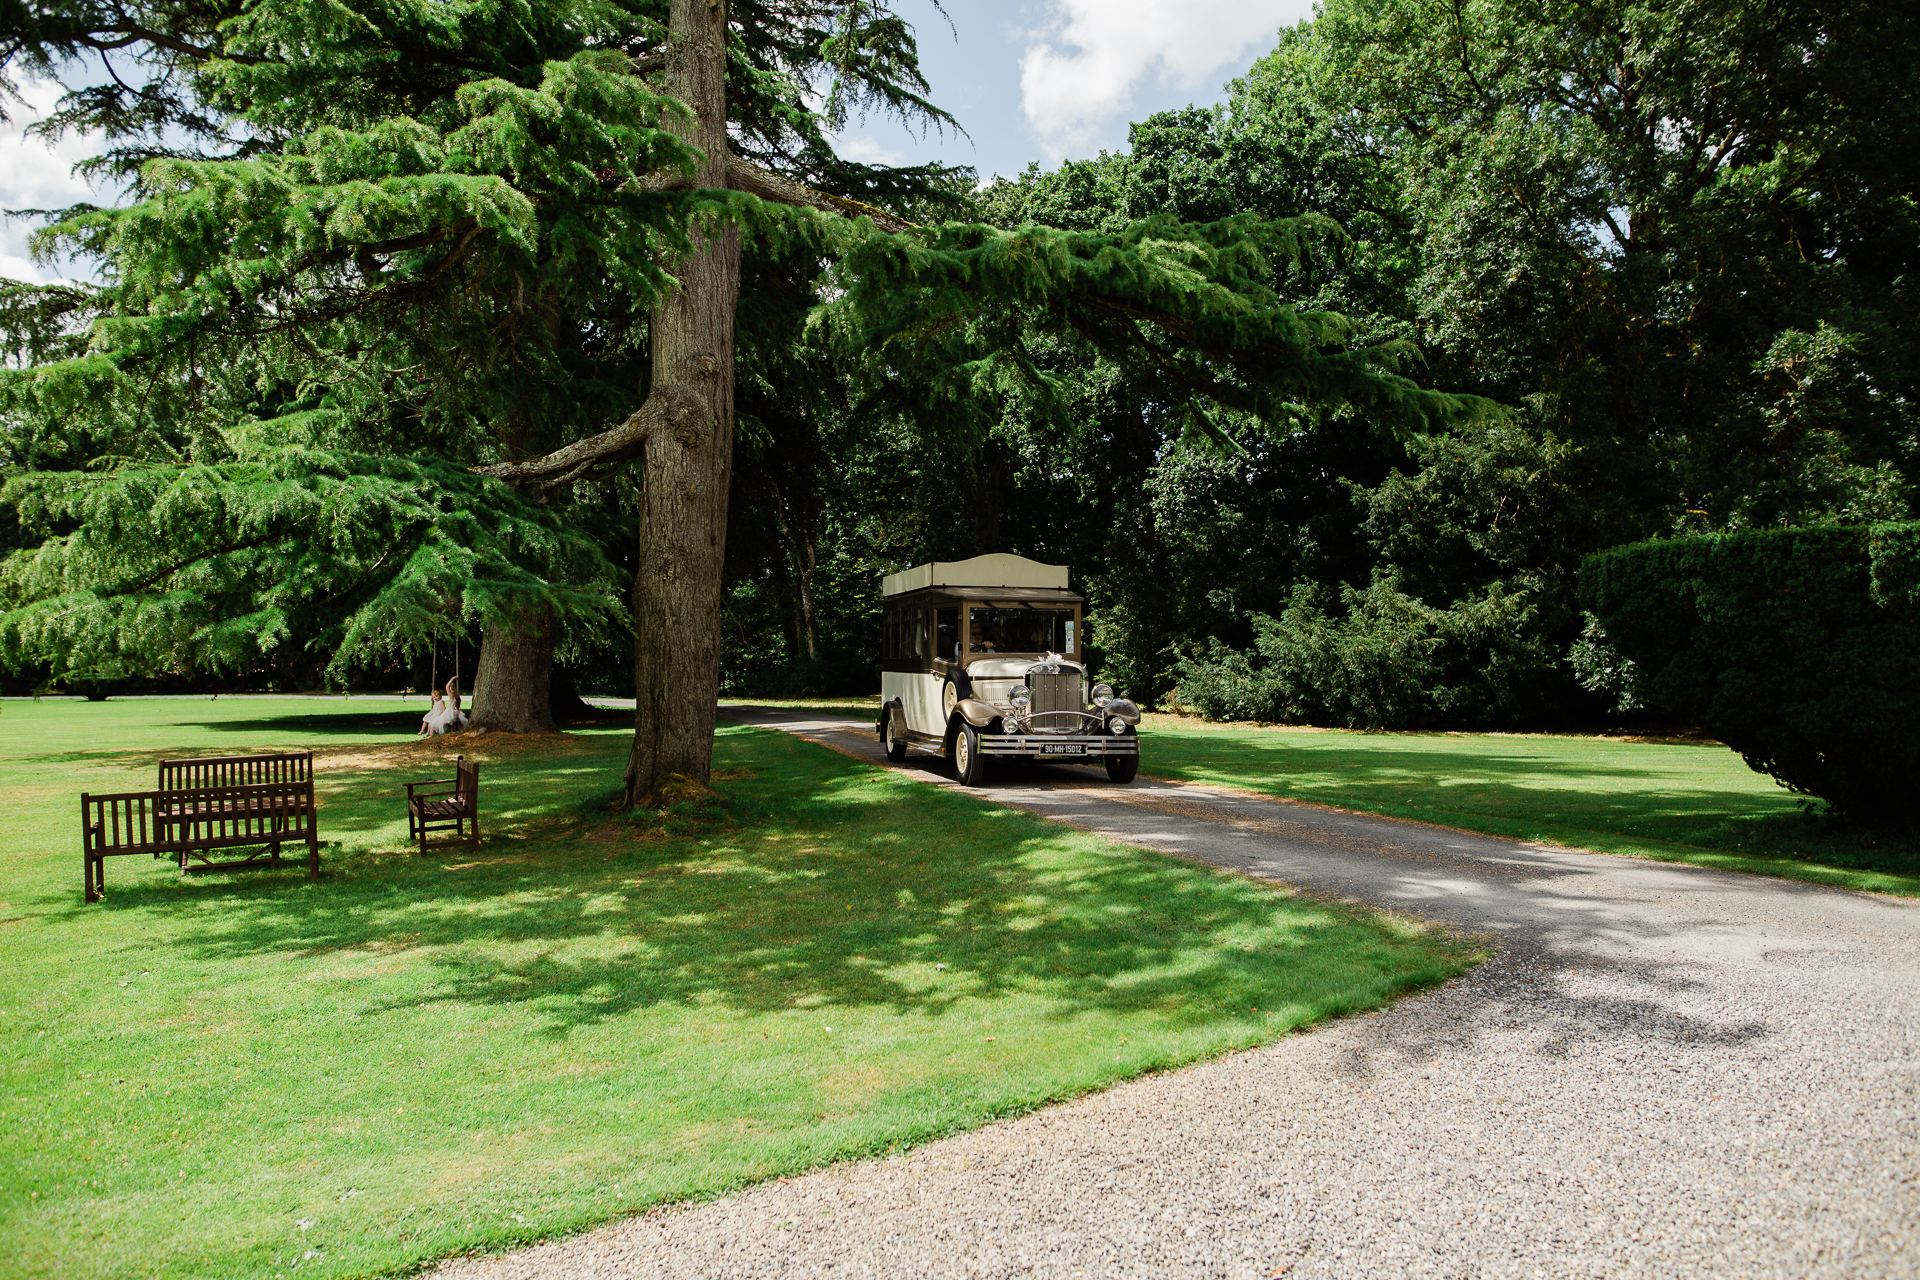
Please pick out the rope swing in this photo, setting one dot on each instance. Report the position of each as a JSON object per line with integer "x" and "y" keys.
{"x": 433, "y": 667}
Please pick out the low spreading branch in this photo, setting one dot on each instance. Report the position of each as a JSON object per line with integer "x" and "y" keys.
{"x": 743, "y": 175}
{"x": 577, "y": 459}
{"x": 124, "y": 34}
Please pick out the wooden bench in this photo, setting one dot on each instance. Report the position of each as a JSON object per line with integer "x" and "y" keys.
{"x": 211, "y": 773}
{"x": 235, "y": 771}
{"x": 455, "y": 805}
{"x": 190, "y": 824}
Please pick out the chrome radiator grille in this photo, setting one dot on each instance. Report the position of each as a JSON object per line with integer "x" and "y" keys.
{"x": 1055, "y": 692}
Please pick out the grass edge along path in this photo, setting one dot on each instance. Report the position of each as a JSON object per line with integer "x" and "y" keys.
{"x": 1703, "y": 794}
{"x": 415, "y": 1058}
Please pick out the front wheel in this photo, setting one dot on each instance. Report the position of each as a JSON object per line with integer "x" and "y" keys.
{"x": 1123, "y": 768}
{"x": 896, "y": 745}
{"x": 968, "y": 763}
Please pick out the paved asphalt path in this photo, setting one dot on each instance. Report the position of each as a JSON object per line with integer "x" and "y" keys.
{"x": 1667, "y": 1071}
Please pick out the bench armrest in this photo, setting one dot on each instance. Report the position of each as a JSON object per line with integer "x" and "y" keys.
{"x": 437, "y": 782}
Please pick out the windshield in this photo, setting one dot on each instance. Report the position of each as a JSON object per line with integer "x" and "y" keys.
{"x": 1020, "y": 631}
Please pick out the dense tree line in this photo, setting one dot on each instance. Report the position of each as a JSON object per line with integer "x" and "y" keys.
{"x": 410, "y": 307}
{"x": 375, "y": 353}
{"x": 1677, "y": 241}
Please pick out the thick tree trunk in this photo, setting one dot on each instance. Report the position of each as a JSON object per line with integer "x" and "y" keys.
{"x": 689, "y": 456}
{"x": 516, "y": 667}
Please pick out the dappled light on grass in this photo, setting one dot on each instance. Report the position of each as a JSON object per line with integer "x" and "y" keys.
{"x": 1680, "y": 802}
{"x": 595, "y": 1011}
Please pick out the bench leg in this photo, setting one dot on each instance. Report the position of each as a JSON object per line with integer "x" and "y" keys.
{"x": 94, "y": 872}
{"x": 313, "y": 854}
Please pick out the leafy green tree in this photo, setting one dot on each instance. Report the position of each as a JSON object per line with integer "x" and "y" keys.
{"x": 468, "y": 204}
{"x": 1675, "y": 238}
{"x": 426, "y": 228}
{"x": 1630, "y": 215}
{"x": 948, "y": 313}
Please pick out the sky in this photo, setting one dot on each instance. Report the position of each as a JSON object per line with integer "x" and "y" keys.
{"x": 1029, "y": 80}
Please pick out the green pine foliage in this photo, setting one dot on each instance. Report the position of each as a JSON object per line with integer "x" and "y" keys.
{"x": 1199, "y": 304}
{"x": 376, "y": 244}
{"x": 161, "y": 569}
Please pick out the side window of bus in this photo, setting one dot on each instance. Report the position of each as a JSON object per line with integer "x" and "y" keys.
{"x": 917, "y": 623}
{"x": 949, "y": 635}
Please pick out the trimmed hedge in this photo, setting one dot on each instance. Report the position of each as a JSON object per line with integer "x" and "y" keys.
{"x": 1798, "y": 648}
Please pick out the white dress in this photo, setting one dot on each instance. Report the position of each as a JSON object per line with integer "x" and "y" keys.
{"x": 445, "y": 719}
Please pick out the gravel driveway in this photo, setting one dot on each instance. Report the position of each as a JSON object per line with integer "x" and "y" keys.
{"x": 1667, "y": 1072}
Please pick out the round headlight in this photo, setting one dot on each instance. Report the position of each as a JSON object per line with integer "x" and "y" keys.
{"x": 1117, "y": 725}
{"x": 1020, "y": 696}
{"x": 1102, "y": 694}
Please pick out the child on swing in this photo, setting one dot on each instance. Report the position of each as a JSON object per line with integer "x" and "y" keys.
{"x": 443, "y": 717}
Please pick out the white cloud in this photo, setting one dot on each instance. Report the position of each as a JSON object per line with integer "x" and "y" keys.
{"x": 864, "y": 150}
{"x": 34, "y": 175}
{"x": 1084, "y": 67}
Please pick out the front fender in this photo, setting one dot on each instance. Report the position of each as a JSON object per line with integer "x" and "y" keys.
{"x": 977, "y": 713}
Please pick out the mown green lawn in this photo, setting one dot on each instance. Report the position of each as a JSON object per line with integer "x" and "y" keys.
{"x": 1676, "y": 802}
{"x": 248, "y": 1074}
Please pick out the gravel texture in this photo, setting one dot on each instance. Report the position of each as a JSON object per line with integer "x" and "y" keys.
{"x": 1667, "y": 1072}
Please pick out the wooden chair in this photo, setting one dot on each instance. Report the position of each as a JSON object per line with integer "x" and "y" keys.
{"x": 455, "y": 805}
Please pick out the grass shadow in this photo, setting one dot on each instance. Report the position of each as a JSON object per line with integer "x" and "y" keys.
{"x": 857, "y": 894}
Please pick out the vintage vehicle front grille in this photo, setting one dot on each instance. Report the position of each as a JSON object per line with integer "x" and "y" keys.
{"x": 1062, "y": 722}
{"x": 1059, "y": 692}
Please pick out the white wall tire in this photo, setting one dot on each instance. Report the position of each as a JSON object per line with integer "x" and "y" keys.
{"x": 968, "y": 764}
{"x": 1122, "y": 768}
{"x": 896, "y": 745}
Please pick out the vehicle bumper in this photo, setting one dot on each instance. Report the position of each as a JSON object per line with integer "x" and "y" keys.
{"x": 1059, "y": 746}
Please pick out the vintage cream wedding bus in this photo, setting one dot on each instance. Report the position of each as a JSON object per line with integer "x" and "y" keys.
{"x": 982, "y": 661}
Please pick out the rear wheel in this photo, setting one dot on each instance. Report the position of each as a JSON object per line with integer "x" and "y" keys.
{"x": 1123, "y": 768}
{"x": 968, "y": 763}
{"x": 896, "y": 745}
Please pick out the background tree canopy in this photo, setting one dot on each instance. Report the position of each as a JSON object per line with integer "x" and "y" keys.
{"x": 1678, "y": 241}
{"x": 1675, "y": 243}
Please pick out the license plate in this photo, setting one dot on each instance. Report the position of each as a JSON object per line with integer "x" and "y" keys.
{"x": 1063, "y": 748}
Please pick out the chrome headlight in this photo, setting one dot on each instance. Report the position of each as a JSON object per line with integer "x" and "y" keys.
{"x": 1116, "y": 725}
{"x": 1102, "y": 694}
{"x": 1020, "y": 696}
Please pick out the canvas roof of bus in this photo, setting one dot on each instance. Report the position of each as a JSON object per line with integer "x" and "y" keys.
{"x": 997, "y": 571}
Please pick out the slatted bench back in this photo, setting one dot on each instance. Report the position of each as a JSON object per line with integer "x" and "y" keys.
{"x": 199, "y": 818}
{"x": 235, "y": 771}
